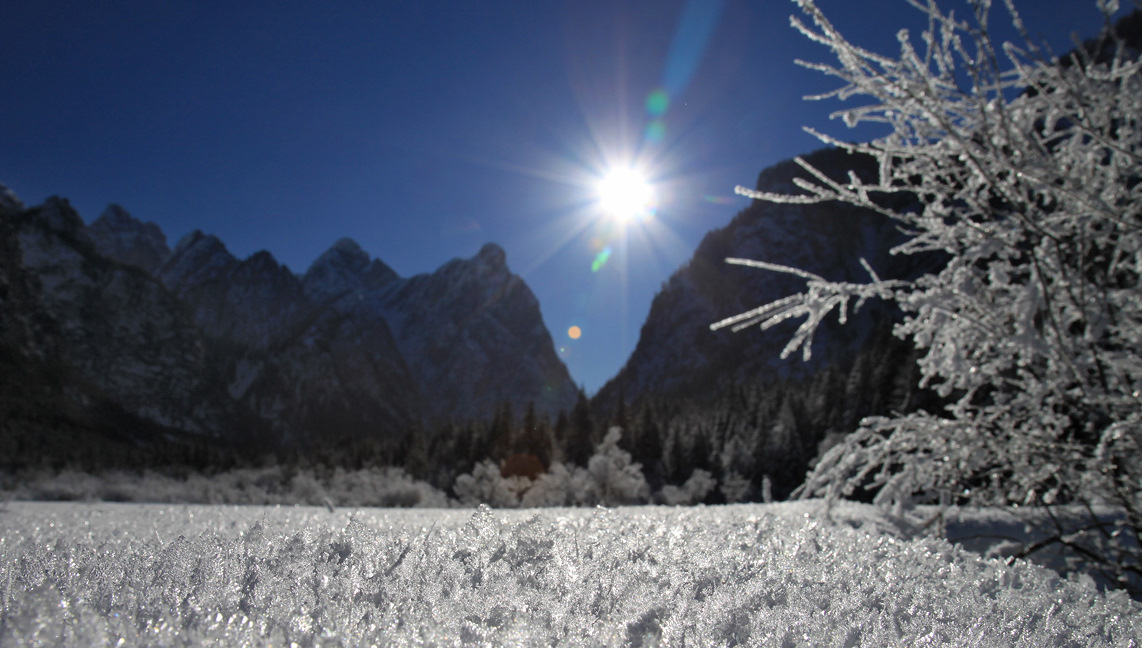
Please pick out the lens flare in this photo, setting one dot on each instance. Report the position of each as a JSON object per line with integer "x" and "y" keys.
{"x": 657, "y": 103}
{"x": 692, "y": 34}
{"x": 601, "y": 259}
{"x": 655, "y": 131}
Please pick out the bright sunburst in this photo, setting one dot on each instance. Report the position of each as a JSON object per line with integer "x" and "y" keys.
{"x": 625, "y": 194}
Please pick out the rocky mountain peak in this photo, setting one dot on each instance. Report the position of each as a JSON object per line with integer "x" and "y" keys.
{"x": 222, "y": 346}
{"x": 117, "y": 219}
{"x": 261, "y": 261}
{"x": 122, "y": 237}
{"x": 344, "y": 259}
{"x": 349, "y": 251}
{"x": 198, "y": 258}
{"x": 485, "y": 273}
{"x": 474, "y": 318}
{"x": 196, "y": 239}
{"x": 345, "y": 268}
{"x": 58, "y": 215}
{"x": 9, "y": 201}
{"x": 492, "y": 255}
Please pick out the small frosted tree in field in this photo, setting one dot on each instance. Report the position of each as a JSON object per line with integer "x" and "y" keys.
{"x": 486, "y": 485}
{"x": 613, "y": 478}
{"x": 1024, "y": 172}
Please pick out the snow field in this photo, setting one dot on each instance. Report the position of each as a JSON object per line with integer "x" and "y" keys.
{"x": 761, "y": 575}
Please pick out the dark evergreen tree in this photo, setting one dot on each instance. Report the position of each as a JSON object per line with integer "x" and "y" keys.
{"x": 502, "y": 432}
{"x": 701, "y": 451}
{"x": 561, "y": 432}
{"x": 621, "y": 418}
{"x": 534, "y": 437}
{"x": 582, "y": 440}
{"x": 677, "y": 457}
{"x": 648, "y": 448}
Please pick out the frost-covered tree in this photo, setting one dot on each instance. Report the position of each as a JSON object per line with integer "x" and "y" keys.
{"x": 1024, "y": 172}
{"x": 610, "y": 479}
{"x": 486, "y": 485}
{"x": 614, "y": 478}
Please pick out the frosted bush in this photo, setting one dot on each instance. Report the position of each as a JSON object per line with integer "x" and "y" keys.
{"x": 736, "y": 488}
{"x": 486, "y": 485}
{"x": 614, "y": 479}
{"x": 610, "y": 478}
{"x": 700, "y": 484}
{"x": 559, "y": 486}
{"x": 1016, "y": 174}
{"x": 386, "y": 486}
{"x": 781, "y": 575}
{"x": 270, "y": 485}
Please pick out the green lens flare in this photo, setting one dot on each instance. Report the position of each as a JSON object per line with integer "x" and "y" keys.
{"x": 655, "y": 131}
{"x": 601, "y": 259}
{"x": 657, "y": 103}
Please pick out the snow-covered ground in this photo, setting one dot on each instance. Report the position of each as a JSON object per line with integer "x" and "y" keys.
{"x": 761, "y": 575}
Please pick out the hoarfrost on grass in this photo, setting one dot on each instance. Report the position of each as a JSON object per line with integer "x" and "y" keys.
{"x": 781, "y": 575}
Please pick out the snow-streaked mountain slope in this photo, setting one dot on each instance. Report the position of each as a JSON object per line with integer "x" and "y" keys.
{"x": 113, "y": 330}
{"x": 345, "y": 271}
{"x": 471, "y": 332}
{"x": 474, "y": 337}
{"x": 778, "y": 575}
{"x": 9, "y": 201}
{"x": 119, "y": 236}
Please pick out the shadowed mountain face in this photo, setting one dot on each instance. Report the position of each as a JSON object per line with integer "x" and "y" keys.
{"x": 119, "y": 236}
{"x": 677, "y": 354}
{"x": 473, "y": 337}
{"x": 197, "y": 341}
{"x": 115, "y": 330}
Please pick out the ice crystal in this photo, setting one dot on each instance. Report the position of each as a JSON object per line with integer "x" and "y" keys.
{"x": 782, "y": 575}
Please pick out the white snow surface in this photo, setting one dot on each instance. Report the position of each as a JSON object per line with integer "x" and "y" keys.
{"x": 786, "y": 575}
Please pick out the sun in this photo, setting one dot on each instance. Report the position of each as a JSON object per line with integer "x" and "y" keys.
{"x": 624, "y": 193}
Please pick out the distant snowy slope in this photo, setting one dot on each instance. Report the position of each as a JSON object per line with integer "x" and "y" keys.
{"x": 786, "y": 575}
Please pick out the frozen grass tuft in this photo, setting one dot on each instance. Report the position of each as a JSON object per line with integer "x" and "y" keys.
{"x": 780, "y": 575}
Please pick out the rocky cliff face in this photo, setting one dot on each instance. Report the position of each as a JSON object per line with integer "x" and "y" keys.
{"x": 120, "y": 237}
{"x": 195, "y": 340}
{"x": 678, "y": 355}
{"x": 454, "y": 325}
{"x": 116, "y": 331}
{"x": 470, "y": 333}
{"x": 9, "y": 201}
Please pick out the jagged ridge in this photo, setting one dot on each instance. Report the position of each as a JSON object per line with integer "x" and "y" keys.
{"x": 196, "y": 340}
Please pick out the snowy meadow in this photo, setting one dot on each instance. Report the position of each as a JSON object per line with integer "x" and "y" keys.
{"x": 790, "y": 574}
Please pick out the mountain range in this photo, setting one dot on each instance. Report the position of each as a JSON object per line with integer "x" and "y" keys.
{"x": 105, "y": 328}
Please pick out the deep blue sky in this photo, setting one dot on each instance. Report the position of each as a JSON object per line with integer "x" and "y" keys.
{"x": 425, "y": 129}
